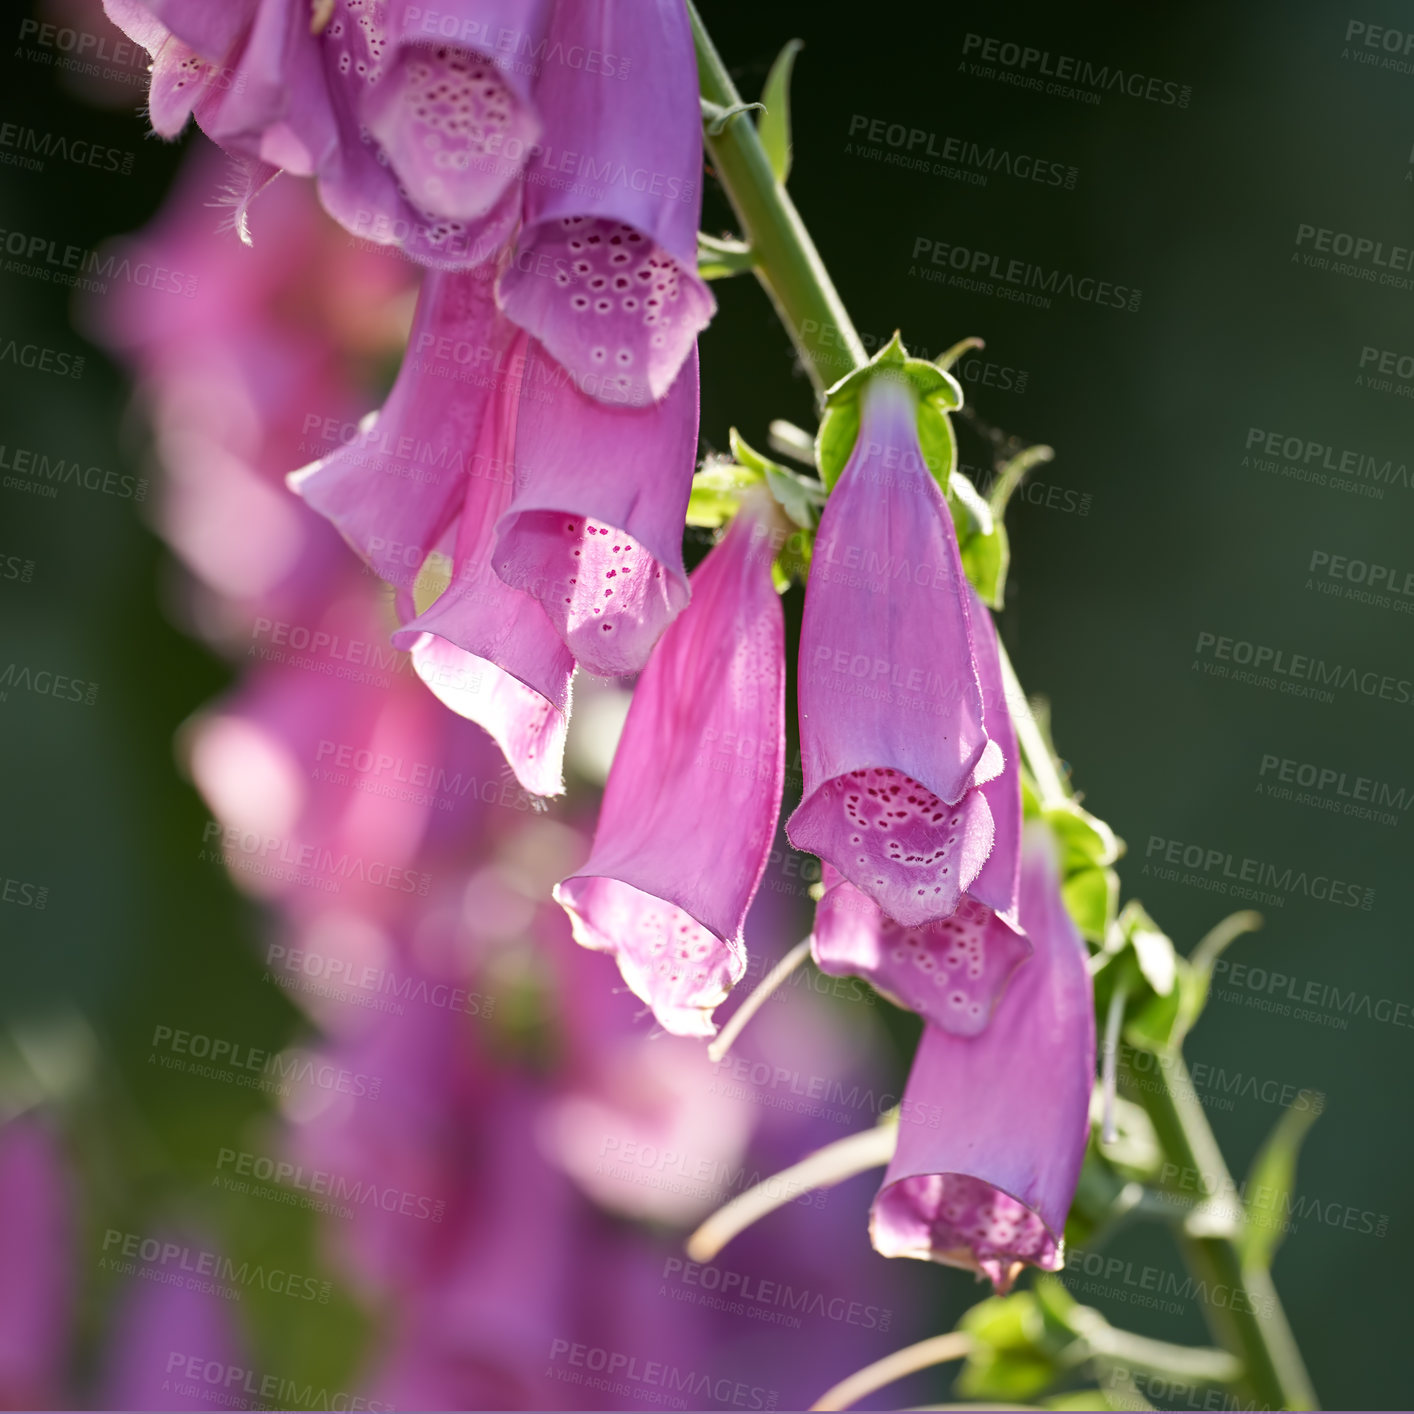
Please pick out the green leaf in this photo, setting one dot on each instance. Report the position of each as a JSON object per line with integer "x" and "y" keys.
{"x": 773, "y": 126}
{"x": 1085, "y": 839}
{"x": 791, "y": 441}
{"x": 800, "y": 497}
{"x": 1269, "y": 1184}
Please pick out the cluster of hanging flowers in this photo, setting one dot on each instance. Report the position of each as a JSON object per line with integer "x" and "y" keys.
{"x": 543, "y": 161}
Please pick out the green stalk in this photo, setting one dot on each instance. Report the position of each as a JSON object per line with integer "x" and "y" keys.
{"x": 789, "y": 267}
{"x": 785, "y": 258}
{"x": 1253, "y": 1324}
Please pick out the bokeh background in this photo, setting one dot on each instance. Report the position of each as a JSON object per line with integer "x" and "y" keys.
{"x": 1152, "y": 527}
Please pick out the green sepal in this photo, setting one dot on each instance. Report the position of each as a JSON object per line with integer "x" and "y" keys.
{"x": 981, "y": 537}
{"x": 717, "y": 491}
{"x": 773, "y": 126}
{"x": 1268, "y": 1186}
{"x": 1089, "y": 886}
{"x": 800, "y": 497}
{"x": 938, "y": 393}
{"x": 719, "y": 258}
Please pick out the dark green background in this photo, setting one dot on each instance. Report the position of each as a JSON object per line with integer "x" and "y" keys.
{"x": 1148, "y": 411}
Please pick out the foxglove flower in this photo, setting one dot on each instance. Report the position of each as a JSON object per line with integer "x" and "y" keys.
{"x": 594, "y": 530}
{"x": 993, "y": 1127}
{"x": 690, "y": 806}
{"x": 893, "y": 739}
{"x": 315, "y": 90}
{"x": 951, "y": 971}
{"x": 441, "y": 454}
{"x": 484, "y": 648}
{"x": 605, "y": 268}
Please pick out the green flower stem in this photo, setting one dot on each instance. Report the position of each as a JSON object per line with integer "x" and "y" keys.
{"x": 786, "y": 261}
{"x": 1253, "y": 1325}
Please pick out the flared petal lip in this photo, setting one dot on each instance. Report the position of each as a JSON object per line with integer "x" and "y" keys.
{"x": 832, "y": 969}
{"x": 698, "y": 1018}
{"x": 964, "y": 1257}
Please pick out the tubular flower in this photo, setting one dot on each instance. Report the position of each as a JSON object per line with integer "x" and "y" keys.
{"x": 690, "y": 806}
{"x": 605, "y": 270}
{"x": 594, "y": 530}
{"x": 440, "y": 456}
{"x": 893, "y": 741}
{"x": 408, "y": 131}
{"x": 952, "y": 970}
{"x": 994, "y": 1127}
{"x": 485, "y": 649}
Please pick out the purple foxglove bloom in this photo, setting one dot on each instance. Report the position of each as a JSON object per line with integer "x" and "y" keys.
{"x": 952, "y": 970}
{"x": 485, "y": 649}
{"x": 893, "y": 741}
{"x": 993, "y": 1127}
{"x": 594, "y": 530}
{"x": 396, "y": 489}
{"x": 691, "y": 802}
{"x": 314, "y": 90}
{"x": 36, "y": 1279}
{"x": 605, "y": 270}
{"x": 441, "y": 452}
{"x": 456, "y": 126}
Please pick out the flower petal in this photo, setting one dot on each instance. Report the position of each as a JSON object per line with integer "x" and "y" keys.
{"x": 993, "y": 1127}
{"x": 892, "y": 730}
{"x": 951, "y": 971}
{"x": 594, "y": 530}
{"x": 608, "y": 257}
{"x": 667, "y": 885}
